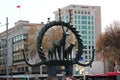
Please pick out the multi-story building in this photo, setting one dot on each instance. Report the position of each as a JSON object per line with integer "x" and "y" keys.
{"x": 16, "y": 41}
{"x": 87, "y": 20}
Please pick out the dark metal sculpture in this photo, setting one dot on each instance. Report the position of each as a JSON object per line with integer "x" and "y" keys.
{"x": 60, "y": 44}
{"x": 59, "y": 48}
{"x": 68, "y": 52}
{"x": 51, "y": 53}
{"x": 58, "y": 62}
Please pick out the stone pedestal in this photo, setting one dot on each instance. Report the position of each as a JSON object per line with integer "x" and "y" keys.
{"x": 61, "y": 78}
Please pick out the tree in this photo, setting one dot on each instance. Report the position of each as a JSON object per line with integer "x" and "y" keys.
{"x": 52, "y": 34}
{"x": 31, "y": 40}
{"x": 108, "y": 44}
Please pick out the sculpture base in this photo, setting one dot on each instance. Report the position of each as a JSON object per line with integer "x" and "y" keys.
{"x": 61, "y": 78}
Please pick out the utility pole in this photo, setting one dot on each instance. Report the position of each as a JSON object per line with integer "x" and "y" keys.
{"x": 6, "y": 49}
{"x": 7, "y": 72}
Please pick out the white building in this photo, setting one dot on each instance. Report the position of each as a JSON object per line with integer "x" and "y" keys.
{"x": 87, "y": 20}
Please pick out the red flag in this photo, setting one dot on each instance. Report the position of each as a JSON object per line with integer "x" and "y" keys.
{"x": 18, "y": 6}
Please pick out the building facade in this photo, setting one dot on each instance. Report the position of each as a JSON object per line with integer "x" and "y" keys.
{"x": 87, "y": 20}
{"x": 16, "y": 41}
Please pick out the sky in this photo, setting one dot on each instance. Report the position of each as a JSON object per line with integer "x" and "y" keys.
{"x": 37, "y": 11}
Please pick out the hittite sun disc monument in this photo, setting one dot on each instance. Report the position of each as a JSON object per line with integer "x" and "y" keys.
{"x": 54, "y": 57}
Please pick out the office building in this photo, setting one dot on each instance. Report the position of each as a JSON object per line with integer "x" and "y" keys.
{"x": 87, "y": 20}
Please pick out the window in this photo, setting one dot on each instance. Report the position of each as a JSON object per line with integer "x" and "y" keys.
{"x": 78, "y": 21}
{"x": 84, "y": 27}
{"x": 78, "y": 16}
{"x": 82, "y": 12}
{"x": 89, "y": 27}
{"x": 92, "y": 47}
{"x": 84, "y": 42}
{"x": 26, "y": 69}
{"x": 89, "y": 47}
{"x": 89, "y": 42}
{"x": 92, "y": 17}
{"x": 25, "y": 36}
{"x": 19, "y": 69}
{"x": 21, "y": 36}
{"x": 88, "y": 22}
{"x": 88, "y": 12}
{"x": 85, "y": 51}
{"x": 75, "y": 21}
{"x": 89, "y": 32}
{"x": 93, "y": 37}
{"x": 89, "y": 37}
{"x": 84, "y": 22}
{"x": 22, "y": 69}
{"x": 88, "y": 17}
{"x": 93, "y": 22}
{"x": 75, "y": 12}
{"x": 86, "y": 57}
{"x": 84, "y": 32}
{"x": 89, "y": 57}
{"x": 85, "y": 47}
{"x": 92, "y": 32}
{"x": 84, "y": 17}
{"x": 84, "y": 37}
{"x": 16, "y": 47}
{"x": 16, "y": 38}
{"x": 75, "y": 16}
{"x": 44, "y": 68}
{"x": 78, "y": 26}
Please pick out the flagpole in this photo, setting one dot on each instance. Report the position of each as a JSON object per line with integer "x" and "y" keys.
{"x": 19, "y": 10}
{"x": 19, "y": 13}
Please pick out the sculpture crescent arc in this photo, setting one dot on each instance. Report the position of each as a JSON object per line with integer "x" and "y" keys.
{"x": 40, "y": 50}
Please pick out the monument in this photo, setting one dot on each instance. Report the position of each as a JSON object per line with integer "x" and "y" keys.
{"x": 58, "y": 48}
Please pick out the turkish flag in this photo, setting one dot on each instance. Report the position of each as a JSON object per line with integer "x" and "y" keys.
{"x": 18, "y": 6}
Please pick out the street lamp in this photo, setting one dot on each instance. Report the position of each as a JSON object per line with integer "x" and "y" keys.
{"x": 7, "y": 48}
{"x": 6, "y": 56}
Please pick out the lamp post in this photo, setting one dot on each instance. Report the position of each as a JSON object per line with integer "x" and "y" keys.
{"x": 6, "y": 42}
{"x": 6, "y": 55}
{"x": 7, "y": 73}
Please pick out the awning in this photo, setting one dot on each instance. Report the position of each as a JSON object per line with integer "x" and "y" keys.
{"x": 112, "y": 73}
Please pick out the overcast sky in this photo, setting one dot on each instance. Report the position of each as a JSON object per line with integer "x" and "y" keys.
{"x": 37, "y": 11}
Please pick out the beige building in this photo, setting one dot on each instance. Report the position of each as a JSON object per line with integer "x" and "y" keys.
{"x": 16, "y": 41}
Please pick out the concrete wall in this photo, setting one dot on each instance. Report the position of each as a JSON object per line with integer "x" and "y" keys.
{"x": 97, "y": 68}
